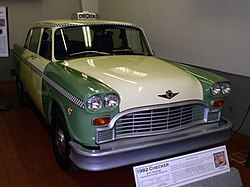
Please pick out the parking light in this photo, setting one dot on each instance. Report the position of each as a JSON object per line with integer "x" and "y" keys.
{"x": 101, "y": 121}
{"x": 217, "y": 103}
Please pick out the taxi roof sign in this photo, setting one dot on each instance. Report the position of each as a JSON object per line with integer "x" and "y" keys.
{"x": 85, "y": 15}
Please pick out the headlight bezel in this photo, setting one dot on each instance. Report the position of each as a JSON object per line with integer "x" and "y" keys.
{"x": 226, "y": 88}
{"x": 111, "y": 101}
{"x": 98, "y": 102}
{"x": 94, "y": 103}
{"x": 220, "y": 88}
{"x": 215, "y": 89}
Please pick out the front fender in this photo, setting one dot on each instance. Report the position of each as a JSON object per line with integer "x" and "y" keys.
{"x": 68, "y": 90}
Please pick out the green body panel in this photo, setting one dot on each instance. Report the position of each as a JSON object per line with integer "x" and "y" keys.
{"x": 79, "y": 122}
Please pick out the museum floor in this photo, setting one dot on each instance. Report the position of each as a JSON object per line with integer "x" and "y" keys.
{"x": 26, "y": 156}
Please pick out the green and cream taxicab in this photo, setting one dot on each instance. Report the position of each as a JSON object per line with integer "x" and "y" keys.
{"x": 109, "y": 101}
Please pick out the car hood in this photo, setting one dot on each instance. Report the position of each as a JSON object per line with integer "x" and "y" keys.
{"x": 140, "y": 80}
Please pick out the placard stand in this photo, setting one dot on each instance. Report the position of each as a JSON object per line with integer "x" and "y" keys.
{"x": 194, "y": 169}
{"x": 4, "y": 32}
{"x": 229, "y": 179}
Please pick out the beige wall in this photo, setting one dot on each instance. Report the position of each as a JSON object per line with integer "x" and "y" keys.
{"x": 90, "y": 5}
{"x": 208, "y": 33}
{"x": 23, "y": 13}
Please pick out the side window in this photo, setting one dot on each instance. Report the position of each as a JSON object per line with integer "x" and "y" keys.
{"x": 45, "y": 47}
{"x": 27, "y": 41}
{"x": 33, "y": 41}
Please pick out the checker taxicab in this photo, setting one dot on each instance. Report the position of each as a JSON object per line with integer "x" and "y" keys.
{"x": 109, "y": 101}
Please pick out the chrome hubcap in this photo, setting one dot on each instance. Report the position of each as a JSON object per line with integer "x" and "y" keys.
{"x": 60, "y": 141}
{"x": 19, "y": 87}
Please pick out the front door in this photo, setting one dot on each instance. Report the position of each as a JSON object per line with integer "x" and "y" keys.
{"x": 37, "y": 56}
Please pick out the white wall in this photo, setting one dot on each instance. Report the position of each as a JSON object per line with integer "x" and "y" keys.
{"x": 208, "y": 33}
{"x": 23, "y": 13}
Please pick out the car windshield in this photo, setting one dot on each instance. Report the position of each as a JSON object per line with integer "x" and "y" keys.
{"x": 96, "y": 40}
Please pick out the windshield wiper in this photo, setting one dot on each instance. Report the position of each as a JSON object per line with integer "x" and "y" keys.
{"x": 123, "y": 50}
{"x": 89, "y": 53}
{"x": 129, "y": 51}
{"x": 140, "y": 53}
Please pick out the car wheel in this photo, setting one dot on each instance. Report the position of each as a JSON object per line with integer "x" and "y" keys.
{"x": 21, "y": 92}
{"x": 60, "y": 141}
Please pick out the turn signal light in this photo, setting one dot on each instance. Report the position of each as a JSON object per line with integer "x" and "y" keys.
{"x": 101, "y": 121}
{"x": 218, "y": 103}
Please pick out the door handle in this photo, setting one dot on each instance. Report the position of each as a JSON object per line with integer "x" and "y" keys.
{"x": 33, "y": 57}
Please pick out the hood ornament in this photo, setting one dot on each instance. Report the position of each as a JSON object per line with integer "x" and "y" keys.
{"x": 168, "y": 95}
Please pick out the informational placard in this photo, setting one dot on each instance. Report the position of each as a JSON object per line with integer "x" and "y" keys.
{"x": 184, "y": 169}
{"x": 4, "y": 38}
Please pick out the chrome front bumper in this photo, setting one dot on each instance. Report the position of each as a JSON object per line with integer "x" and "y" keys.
{"x": 126, "y": 152}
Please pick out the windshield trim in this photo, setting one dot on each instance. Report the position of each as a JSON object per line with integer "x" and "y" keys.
{"x": 144, "y": 48}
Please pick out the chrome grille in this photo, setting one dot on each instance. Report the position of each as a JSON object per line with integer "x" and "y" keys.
{"x": 156, "y": 120}
{"x": 153, "y": 120}
{"x": 105, "y": 135}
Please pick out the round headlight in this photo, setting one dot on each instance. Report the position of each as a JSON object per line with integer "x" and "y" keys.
{"x": 215, "y": 89}
{"x": 111, "y": 101}
{"x": 94, "y": 103}
{"x": 225, "y": 88}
